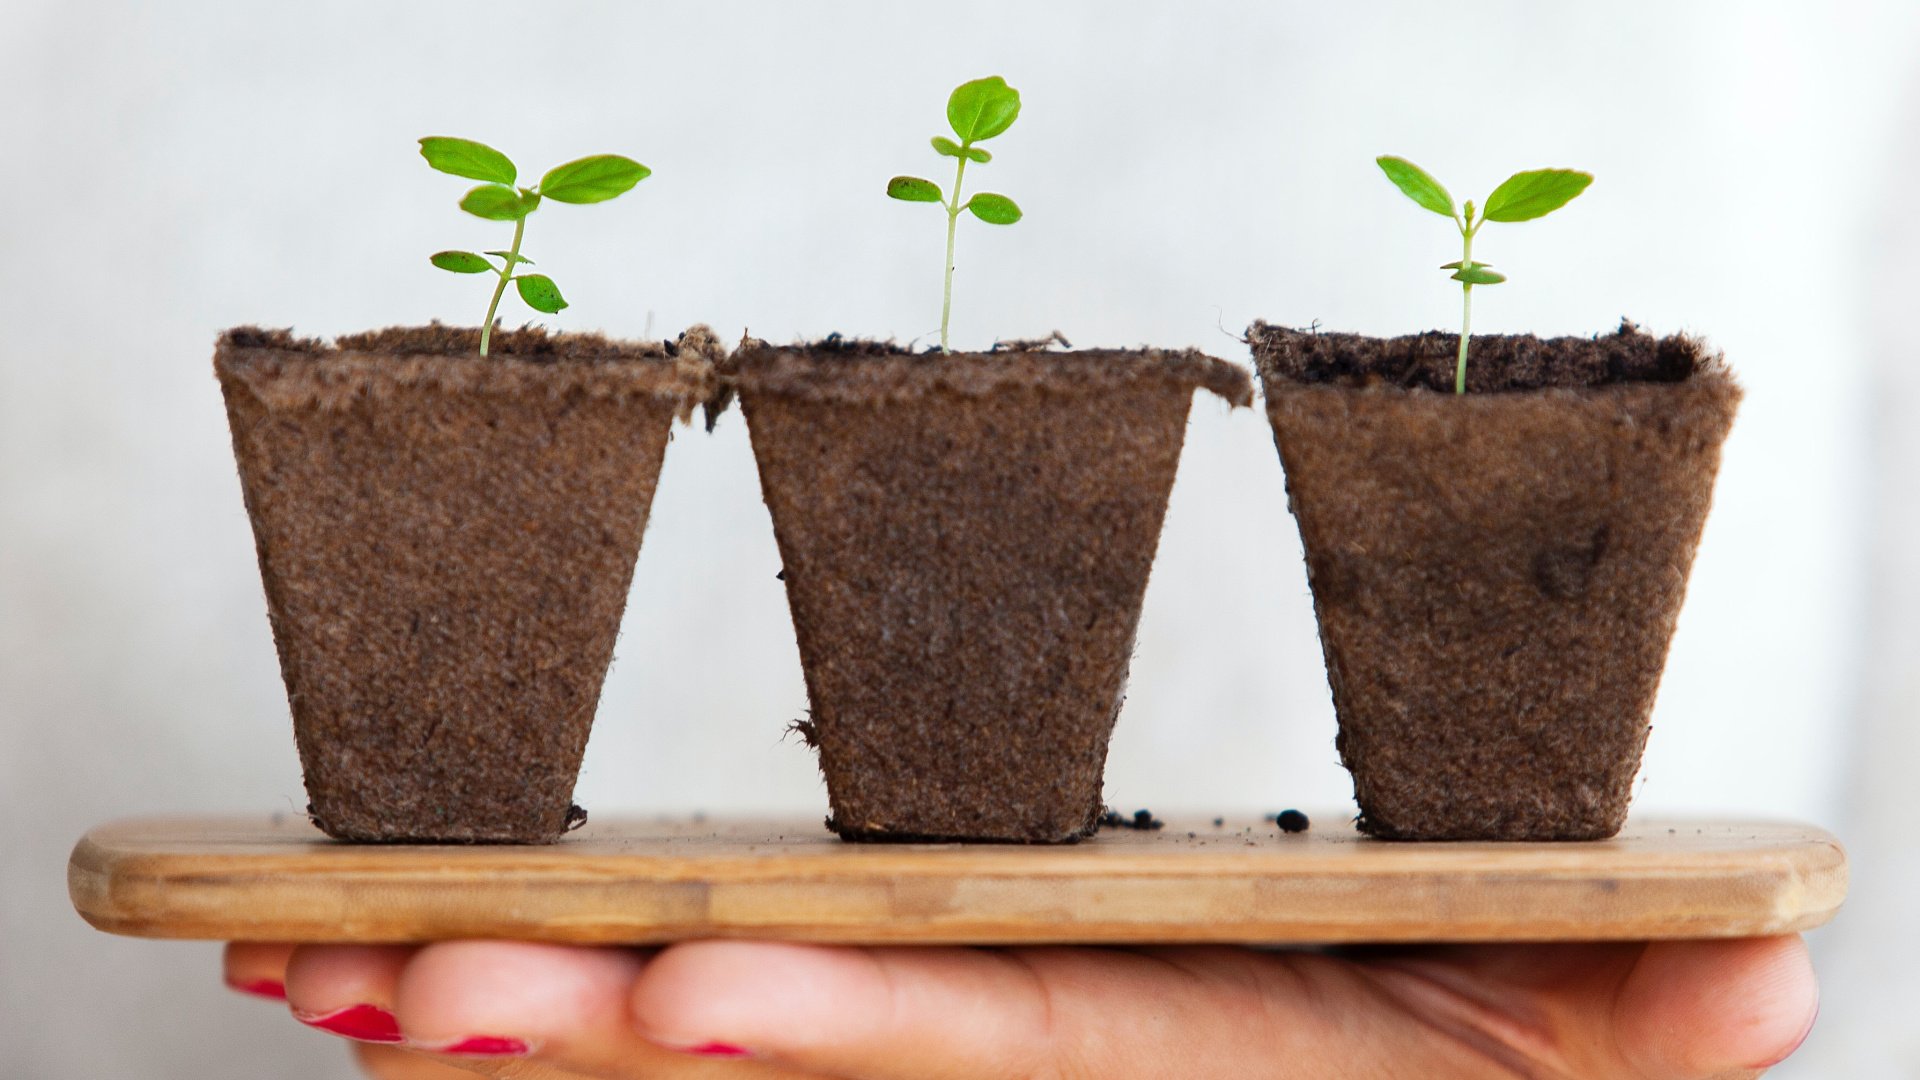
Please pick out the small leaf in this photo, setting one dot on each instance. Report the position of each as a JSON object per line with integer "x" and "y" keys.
{"x": 913, "y": 189}
{"x": 1454, "y": 265}
{"x": 497, "y": 203}
{"x": 983, "y": 108}
{"x": 953, "y": 149}
{"x": 540, "y": 293}
{"x": 464, "y": 157}
{"x": 1535, "y": 193}
{"x": 993, "y": 209}
{"x": 1415, "y": 184}
{"x": 1474, "y": 275}
{"x": 592, "y": 179}
{"x": 511, "y": 258}
{"x": 460, "y": 262}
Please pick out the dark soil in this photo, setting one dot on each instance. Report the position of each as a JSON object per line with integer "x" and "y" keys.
{"x": 446, "y": 543}
{"x": 966, "y": 541}
{"x": 1291, "y": 821}
{"x": 1497, "y": 575}
{"x": 1141, "y": 821}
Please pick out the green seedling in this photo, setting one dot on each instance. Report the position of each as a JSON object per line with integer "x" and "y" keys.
{"x": 1522, "y": 197}
{"x": 588, "y": 180}
{"x": 977, "y": 111}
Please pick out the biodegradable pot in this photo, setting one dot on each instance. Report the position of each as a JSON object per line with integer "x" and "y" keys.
{"x": 1496, "y": 575}
{"x": 446, "y": 542}
{"x": 966, "y": 540}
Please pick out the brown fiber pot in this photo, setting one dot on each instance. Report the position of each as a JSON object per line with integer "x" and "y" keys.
{"x": 966, "y": 541}
{"x": 1496, "y": 575}
{"x": 446, "y": 542}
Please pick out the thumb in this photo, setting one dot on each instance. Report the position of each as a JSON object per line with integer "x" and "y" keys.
{"x": 1710, "y": 1008}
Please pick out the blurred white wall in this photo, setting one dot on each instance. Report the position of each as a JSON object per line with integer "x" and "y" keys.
{"x": 1184, "y": 167}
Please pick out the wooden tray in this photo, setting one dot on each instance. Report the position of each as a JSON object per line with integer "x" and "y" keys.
{"x": 644, "y": 881}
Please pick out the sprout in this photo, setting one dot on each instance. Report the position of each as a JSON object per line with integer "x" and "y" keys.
{"x": 977, "y": 111}
{"x": 1523, "y": 197}
{"x": 588, "y": 180}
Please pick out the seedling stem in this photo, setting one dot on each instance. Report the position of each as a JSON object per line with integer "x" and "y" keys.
{"x": 506, "y": 275}
{"x": 953, "y": 222}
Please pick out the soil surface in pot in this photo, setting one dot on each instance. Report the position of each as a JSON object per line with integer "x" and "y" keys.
{"x": 966, "y": 541}
{"x": 1496, "y": 575}
{"x": 446, "y": 542}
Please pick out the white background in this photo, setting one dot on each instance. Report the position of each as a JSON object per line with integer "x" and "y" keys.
{"x": 1184, "y": 167}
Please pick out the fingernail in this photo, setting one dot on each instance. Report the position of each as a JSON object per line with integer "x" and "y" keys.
{"x": 367, "y": 1023}
{"x": 715, "y": 1049}
{"x": 1797, "y": 1043}
{"x": 273, "y": 989}
{"x": 488, "y": 1046}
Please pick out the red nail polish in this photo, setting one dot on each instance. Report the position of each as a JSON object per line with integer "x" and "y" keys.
{"x": 273, "y": 989}
{"x": 718, "y": 1049}
{"x": 488, "y": 1046}
{"x": 367, "y": 1023}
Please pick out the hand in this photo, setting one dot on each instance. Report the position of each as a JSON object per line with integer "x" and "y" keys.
{"x": 754, "y": 1011}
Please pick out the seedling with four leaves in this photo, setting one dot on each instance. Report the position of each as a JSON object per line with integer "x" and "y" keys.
{"x": 1522, "y": 197}
{"x": 588, "y": 180}
{"x": 977, "y": 111}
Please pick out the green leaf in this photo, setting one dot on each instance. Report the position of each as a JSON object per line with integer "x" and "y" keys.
{"x": 913, "y": 189}
{"x": 497, "y": 203}
{"x": 953, "y": 149}
{"x": 1454, "y": 265}
{"x": 464, "y": 157}
{"x": 993, "y": 209}
{"x": 592, "y": 179}
{"x": 511, "y": 258}
{"x": 1415, "y": 184}
{"x": 540, "y": 293}
{"x": 1476, "y": 275}
{"x": 982, "y": 108}
{"x": 460, "y": 262}
{"x": 1535, "y": 193}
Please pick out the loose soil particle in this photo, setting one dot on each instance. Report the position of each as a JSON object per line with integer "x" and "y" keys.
{"x": 446, "y": 543}
{"x": 1496, "y": 575}
{"x": 966, "y": 541}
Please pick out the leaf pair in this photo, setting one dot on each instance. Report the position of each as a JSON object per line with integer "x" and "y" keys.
{"x": 1521, "y": 197}
{"x": 987, "y": 206}
{"x": 538, "y": 290}
{"x": 587, "y": 180}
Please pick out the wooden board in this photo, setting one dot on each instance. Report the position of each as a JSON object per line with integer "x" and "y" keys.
{"x": 645, "y": 881}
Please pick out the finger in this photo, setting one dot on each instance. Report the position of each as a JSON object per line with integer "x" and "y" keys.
{"x": 1702, "y": 1008}
{"x": 257, "y": 969}
{"x": 962, "y": 1014}
{"x": 557, "y": 1006}
{"x": 347, "y": 990}
{"x": 1666, "y": 1011}
{"x": 393, "y": 1063}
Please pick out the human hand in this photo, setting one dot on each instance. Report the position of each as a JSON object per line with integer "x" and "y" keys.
{"x": 1712, "y": 1010}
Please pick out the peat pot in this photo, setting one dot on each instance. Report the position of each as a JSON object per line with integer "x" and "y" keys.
{"x": 966, "y": 540}
{"x": 1496, "y": 574}
{"x": 446, "y": 542}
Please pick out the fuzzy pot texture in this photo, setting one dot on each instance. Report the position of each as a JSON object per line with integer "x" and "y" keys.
{"x": 446, "y": 542}
{"x": 966, "y": 540}
{"x": 1496, "y": 575}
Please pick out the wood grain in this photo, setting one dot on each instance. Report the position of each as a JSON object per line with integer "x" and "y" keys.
{"x": 659, "y": 880}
